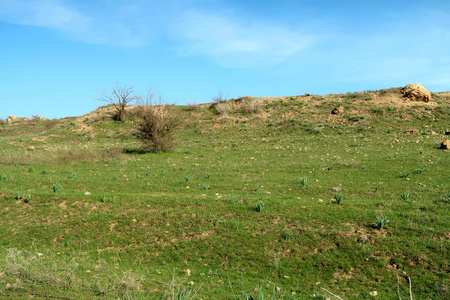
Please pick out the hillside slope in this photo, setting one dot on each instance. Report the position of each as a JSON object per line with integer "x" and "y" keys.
{"x": 277, "y": 192}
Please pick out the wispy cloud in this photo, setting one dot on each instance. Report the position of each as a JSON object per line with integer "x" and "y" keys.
{"x": 229, "y": 39}
{"x": 233, "y": 42}
{"x": 50, "y": 14}
{"x": 109, "y": 24}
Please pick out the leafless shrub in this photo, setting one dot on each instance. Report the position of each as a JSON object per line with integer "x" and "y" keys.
{"x": 148, "y": 100}
{"x": 119, "y": 98}
{"x": 223, "y": 108}
{"x": 35, "y": 117}
{"x": 157, "y": 127}
{"x": 219, "y": 98}
{"x": 193, "y": 106}
{"x": 252, "y": 107}
{"x": 92, "y": 119}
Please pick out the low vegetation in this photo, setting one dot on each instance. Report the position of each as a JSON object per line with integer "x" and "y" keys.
{"x": 243, "y": 203}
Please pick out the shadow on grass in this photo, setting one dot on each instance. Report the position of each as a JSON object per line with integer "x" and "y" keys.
{"x": 135, "y": 151}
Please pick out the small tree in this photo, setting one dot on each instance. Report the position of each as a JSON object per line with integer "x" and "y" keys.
{"x": 158, "y": 125}
{"x": 119, "y": 98}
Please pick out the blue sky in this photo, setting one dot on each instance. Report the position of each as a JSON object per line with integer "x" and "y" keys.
{"x": 58, "y": 56}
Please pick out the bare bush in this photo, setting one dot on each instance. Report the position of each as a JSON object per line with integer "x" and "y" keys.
{"x": 252, "y": 107}
{"x": 223, "y": 108}
{"x": 219, "y": 98}
{"x": 193, "y": 106}
{"x": 148, "y": 100}
{"x": 119, "y": 98}
{"x": 157, "y": 128}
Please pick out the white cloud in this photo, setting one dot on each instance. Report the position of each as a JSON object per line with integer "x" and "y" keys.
{"x": 232, "y": 42}
{"x": 51, "y": 14}
{"x": 109, "y": 24}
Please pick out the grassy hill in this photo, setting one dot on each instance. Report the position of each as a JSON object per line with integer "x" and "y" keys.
{"x": 248, "y": 200}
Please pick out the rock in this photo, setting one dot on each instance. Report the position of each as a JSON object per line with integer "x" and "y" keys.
{"x": 31, "y": 148}
{"x": 336, "y": 189}
{"x": 447, "y": 132}
{"x": 411, "y": 131}
{"x": 87, "y": 193}
{"x": 337, "y": 110}
{"x": 11, "y": 117}
{"x": 416, "y": 92}
{"x": 373, "y": 293}
{"x": 41, "y": 118}
{"x": 445, "y": 144}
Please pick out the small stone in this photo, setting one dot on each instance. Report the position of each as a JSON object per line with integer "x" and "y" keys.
{"x": 87, "y": 193}
{"x": 31, "y": 148}
{"x": 188, "y": 272}
{"x": 191, "y": 283}
{"x": 337, "y": 110}
{"x": 320, "y": 200}
{"x": 373, "y": 293}
{"x": 411, "y": 131}
{"x": 336, "y": 189}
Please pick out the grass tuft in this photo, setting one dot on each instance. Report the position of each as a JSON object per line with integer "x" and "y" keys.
{"x": 304, "y": 181}
{"x": 259, "y": 206}
{"x": 287, "y": 235}
{"x": 339, "y": 197}
{"x": 56, "y": 187}
{"x": 381, "y": 221}
{"x": 405, "y": 196}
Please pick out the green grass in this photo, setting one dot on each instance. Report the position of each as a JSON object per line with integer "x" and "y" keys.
{"x": 149, "y": 218}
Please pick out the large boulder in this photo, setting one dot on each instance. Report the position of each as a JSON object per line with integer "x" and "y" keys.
{"x": 416, "y": 92}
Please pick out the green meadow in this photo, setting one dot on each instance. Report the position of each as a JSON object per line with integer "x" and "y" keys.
{"x": 273, "y": 196}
